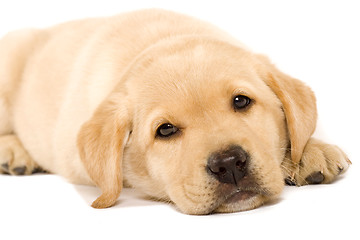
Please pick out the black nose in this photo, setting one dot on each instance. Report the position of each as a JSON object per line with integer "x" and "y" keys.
{"x": 228, "y": 166}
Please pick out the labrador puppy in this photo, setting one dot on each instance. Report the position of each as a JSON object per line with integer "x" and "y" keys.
{"x": 161, "y": 102}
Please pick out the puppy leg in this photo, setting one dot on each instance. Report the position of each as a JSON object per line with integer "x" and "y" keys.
{"x": 14, "y": 159}
{"x": 320, "y": 163}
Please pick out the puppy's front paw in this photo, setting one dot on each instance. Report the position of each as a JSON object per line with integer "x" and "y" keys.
{"x": 320, "y": 163}
{"x": 14, "y": 159}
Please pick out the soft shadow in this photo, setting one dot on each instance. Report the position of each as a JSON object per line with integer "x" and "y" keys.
{"x": 129, "y": 197}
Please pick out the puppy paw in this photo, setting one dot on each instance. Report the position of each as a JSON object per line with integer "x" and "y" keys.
{"x": 320, "y": 163}
{"x": 14, "y": 159}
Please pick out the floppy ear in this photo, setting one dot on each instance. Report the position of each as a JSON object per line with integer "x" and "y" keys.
{"x": 101, "y": 142}
{"x": 299, "y": 105}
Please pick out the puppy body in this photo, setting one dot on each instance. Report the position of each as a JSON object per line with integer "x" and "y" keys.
{"x": 85, "y": 100}
{"x": 68, "y": 71}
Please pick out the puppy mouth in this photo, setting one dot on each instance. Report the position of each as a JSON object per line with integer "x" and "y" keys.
{"x": 241, "y": 200}
{"x": 239, "y": 196}
{"x": 225, "y": 198}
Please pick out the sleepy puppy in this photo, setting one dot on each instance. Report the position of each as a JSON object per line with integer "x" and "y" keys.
{"x": 161, "y": 102}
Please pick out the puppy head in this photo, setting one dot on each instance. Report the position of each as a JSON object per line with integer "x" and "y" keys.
{"x": 209, "y": 123}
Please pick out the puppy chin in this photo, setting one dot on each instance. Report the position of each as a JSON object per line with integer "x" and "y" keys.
{"x": 243, "y": 202}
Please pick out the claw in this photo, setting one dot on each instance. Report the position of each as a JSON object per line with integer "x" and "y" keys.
{"x": 340, "y": 167}
{"x": 291, "y": 180}
{"x": 293, "y": 176}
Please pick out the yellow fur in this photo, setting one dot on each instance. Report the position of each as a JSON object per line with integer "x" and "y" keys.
{"x": 85, "y": 99}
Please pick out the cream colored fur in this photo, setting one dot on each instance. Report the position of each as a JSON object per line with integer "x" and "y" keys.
{"x": 83, "y": 100}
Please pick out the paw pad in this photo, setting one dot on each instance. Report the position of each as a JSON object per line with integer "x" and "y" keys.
{"x": 5, "y": 166}
{"x": 290, "y": 182}
{"x": 19, "y": 170}
{"x": 315, "y": 178}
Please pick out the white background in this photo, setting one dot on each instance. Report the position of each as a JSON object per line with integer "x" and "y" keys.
{"x": 315, "y": 41}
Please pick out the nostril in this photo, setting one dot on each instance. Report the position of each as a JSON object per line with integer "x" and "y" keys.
{"x": 240, "y": 164}
{"x": 222, "y": 170}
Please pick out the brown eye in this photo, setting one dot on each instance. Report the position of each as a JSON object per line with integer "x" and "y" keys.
{"x": 241, "y": 102}
{"x": 166, "y": 130}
